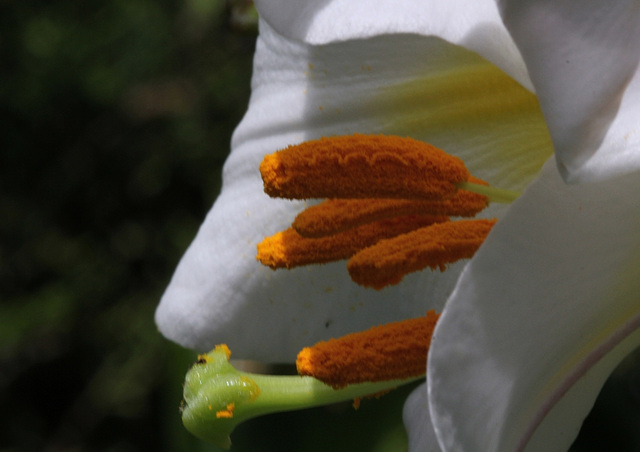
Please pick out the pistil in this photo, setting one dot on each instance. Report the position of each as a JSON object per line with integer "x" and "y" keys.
{"x": 217, "y": 397}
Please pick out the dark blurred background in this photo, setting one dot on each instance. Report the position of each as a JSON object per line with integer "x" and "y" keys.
{"x": 115, "y": 119}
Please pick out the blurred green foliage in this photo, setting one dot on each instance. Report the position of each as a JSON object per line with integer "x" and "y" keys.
{"x": 116, "y": 117}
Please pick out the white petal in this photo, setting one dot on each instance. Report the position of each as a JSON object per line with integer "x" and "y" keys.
{"x": 545, "y": 310}
{"x": 581, "y": 57}
{"x": 417, "y": 421}
{"x": 219, "y": 293}
{"x": 556, "y": 429}
{"x": 473, "y": 24}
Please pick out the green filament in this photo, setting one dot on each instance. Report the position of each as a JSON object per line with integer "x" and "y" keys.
{"x": 498, "y": 195}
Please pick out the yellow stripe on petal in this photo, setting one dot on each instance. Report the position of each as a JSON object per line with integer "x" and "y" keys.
{"x": 472, "y": 109}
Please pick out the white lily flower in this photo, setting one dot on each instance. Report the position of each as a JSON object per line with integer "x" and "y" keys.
{"x": 448, "y": 73}
{"x": 403, "y": 84}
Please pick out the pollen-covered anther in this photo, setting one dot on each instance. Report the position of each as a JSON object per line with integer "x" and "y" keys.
{"x": 337, "y": 215}
{"x": 362, "y": 166}
{"x": 435, "y": 246}
{"x": 288, "y": 249}
{"x": 387, "y": 352}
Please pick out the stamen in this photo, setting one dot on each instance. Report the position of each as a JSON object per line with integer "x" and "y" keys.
{"x": 389, "y": 260}
{"x": 370, "y": 179}
{"x": 337, "y": 215}
{"x": 493, "y": 194}
{"x": 362, "y": 166}
{"x": 288, "y": 249}
{"x": 387, "y": 352}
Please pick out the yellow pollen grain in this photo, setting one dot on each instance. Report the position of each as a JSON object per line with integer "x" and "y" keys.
{"x": 393, "y": 351}
{"x": 337, "y": 215}
{"x": 223, "y": 348}
{"x": 288, "y": 249}
{"x": 357, "y": 401}
{"x": 203, "y": 359}
{"x": 226, "y": 413}
{"x": 387, "y": 262}
{"x": 362, "y": 166}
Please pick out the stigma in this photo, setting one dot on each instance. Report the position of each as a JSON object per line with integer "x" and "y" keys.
{"x": 389, "y": 207}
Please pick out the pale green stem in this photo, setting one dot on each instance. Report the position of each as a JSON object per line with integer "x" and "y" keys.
{"x": 213, "y": 385}
{"x": 499, "y": 195}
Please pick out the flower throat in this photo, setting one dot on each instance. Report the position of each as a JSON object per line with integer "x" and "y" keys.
{"x": 389, "y": 208}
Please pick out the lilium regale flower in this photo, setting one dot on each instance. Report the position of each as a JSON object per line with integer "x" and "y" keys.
{"x": 450, "y": 74}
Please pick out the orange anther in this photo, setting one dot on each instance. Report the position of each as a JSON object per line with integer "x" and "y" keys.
{"x": 336, "y": 215}
{"x": 362, "y": 166}
{"x": 435, "y": 246}
{"x": 375, "y": 182}
{"x": 288, "y": 249}
{"x": 387, "y": 352}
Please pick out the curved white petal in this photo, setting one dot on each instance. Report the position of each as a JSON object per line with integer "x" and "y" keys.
{"x": 473, "y": 24}
{"x": 417, "y": 421}
{"x": 545, "y": 310}
{"x": 583, "y": 60}
{"x": 449, "y": 97}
